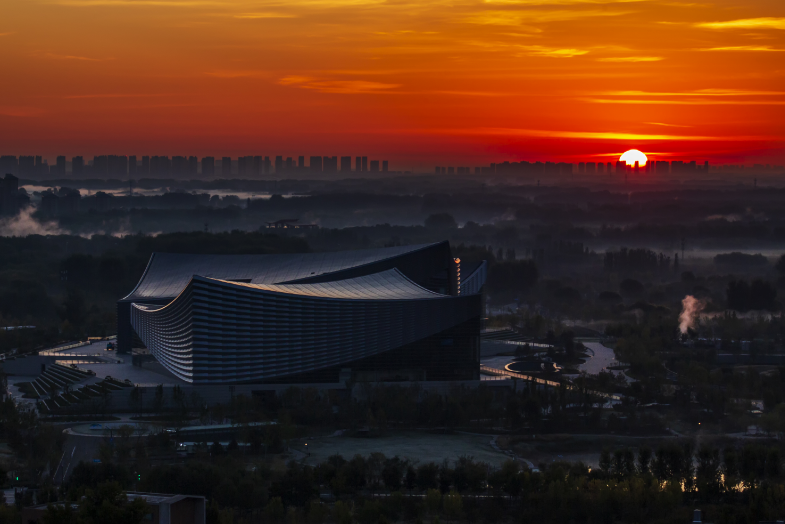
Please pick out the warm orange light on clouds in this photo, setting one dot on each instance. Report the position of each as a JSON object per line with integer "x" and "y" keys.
{"x": 464, "y": 82}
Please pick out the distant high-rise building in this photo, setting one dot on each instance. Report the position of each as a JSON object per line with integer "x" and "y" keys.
{"x": 438, "y": 170}
{"x": 444, "y": 170}
{"x": 330, "y": 164}
{"x": 160, "y": 166}
{"x": 267, "y": 166}
{"x": 258, "y": 162}
{"x": 358, "y": 164}
{"x": 131, "y": 166}
{"x": 60, "y": 166}
{"x": 100, "y": 166}
{"x": 241, "y": 166}
{"x": 226, "y": 166}
{"x": 385, "y": 166}
{"x": 374, "y": 166}
{"x": 600, "y": 167}
{"x": 193, "y": 166}
{"x": 248, "y": 171}
{"x": 278, "y": 164}
{"x": 316, "y": 164}
{"x": 591, "y": 168}
{"x": 38, "y": 168}
{"x": 581, "y": 167}
{"x": 609, "y": 167}
{"x": 706, "y": 166}
{"x": 208, "y": 166}
{"x": 117, "y": 166}
{"x": 621, "y": 167}
{"x": 26, "y": 166}
{"x": 301, "y": 162}
{"x": 179, "y": 166}
{"x": 9, "y": 195}
{"x": 346, "y": 164}
{"x": 289, "y": 164}
{"x": 365, "y": 164}
{"x": 77, "y": 166}
{"x": 9, "y": 165}
{"x": 145, "y": 166}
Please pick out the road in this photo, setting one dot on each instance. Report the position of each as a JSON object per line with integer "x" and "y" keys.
{"x": 76, "y": 448}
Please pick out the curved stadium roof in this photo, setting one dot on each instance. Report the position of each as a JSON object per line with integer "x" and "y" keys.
{"x": 167, "y": 274}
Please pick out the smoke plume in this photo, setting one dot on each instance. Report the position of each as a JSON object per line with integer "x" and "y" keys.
{"x": 691, "y": 307}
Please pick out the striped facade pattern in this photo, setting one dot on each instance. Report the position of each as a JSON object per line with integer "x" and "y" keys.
{"x": 221, "y": 332}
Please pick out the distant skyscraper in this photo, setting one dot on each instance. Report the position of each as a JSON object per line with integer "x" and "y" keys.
{"x": 385, "y": 165}
{"x": 346, "y": 164}
{"x": 609, "y": 167}
{"x": 226, "y": 166}
{"x": 581, "y": 167}
{"x": 358, "y": 164}
{"x": 267, "y": 166}
{"x": 257, "y": 166}
{"x": 444, "y": 170}
{"x": 316, "y": 164}
{"x": 374, "y": 166}
{"x": 208, "y": 166}
{"x": 600, "y": 167}
{"x": 179, "y": 166}
{"x": 278, "y": 164}
{"x": 26, "y": 165}
{"x": 300, "y": 162}
{"x": 289, "y": 164}
{"x": 160, "y": 166}
{"x": 438, "y": 170}
{"x": 100, "y": 166}
{"x": 60, "y": 166}
{"x": 621, "y": 167}
{"x": 365, "y": 164}
{"x": 242, "y": 166}
{"x": 591, "y": 168}
{"x": 9, "y": 165}
{"x": 145, "y": 166}
{"x": 330, "y": 164}
{"x": 131, "y": 166}
{"x": 193, "y": 166}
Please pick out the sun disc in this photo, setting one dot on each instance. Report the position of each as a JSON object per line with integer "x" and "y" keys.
{"x": 632, "y": 156}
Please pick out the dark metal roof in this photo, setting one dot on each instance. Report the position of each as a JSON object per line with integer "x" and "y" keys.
{"x": 167, "y": 274}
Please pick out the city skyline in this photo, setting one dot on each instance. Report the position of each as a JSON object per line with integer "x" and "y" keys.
{"x": 420, "y": 84}
{"x": 255, "y": 166}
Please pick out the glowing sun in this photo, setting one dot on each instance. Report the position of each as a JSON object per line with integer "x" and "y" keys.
{"x": 632, "y": 156}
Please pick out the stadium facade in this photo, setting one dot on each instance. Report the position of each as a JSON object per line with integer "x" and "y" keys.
{"x": 389, "y": 314}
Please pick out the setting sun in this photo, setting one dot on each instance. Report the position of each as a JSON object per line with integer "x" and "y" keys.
{"x": 632, "y": 156}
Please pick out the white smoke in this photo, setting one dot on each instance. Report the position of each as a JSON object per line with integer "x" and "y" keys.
{"x": 24, "y": 224}
{"x": 691, "y": 307}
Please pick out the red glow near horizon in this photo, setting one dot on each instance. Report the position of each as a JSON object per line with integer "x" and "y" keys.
{"x": 420, "y": 84}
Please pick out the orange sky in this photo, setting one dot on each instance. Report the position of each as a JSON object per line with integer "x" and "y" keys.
{"x": 417, "y": 83}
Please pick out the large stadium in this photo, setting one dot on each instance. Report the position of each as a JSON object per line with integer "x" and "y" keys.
{"x": 408, "y": 313}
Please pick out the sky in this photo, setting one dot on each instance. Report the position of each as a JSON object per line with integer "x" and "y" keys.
{"x": 463, "y": 82}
